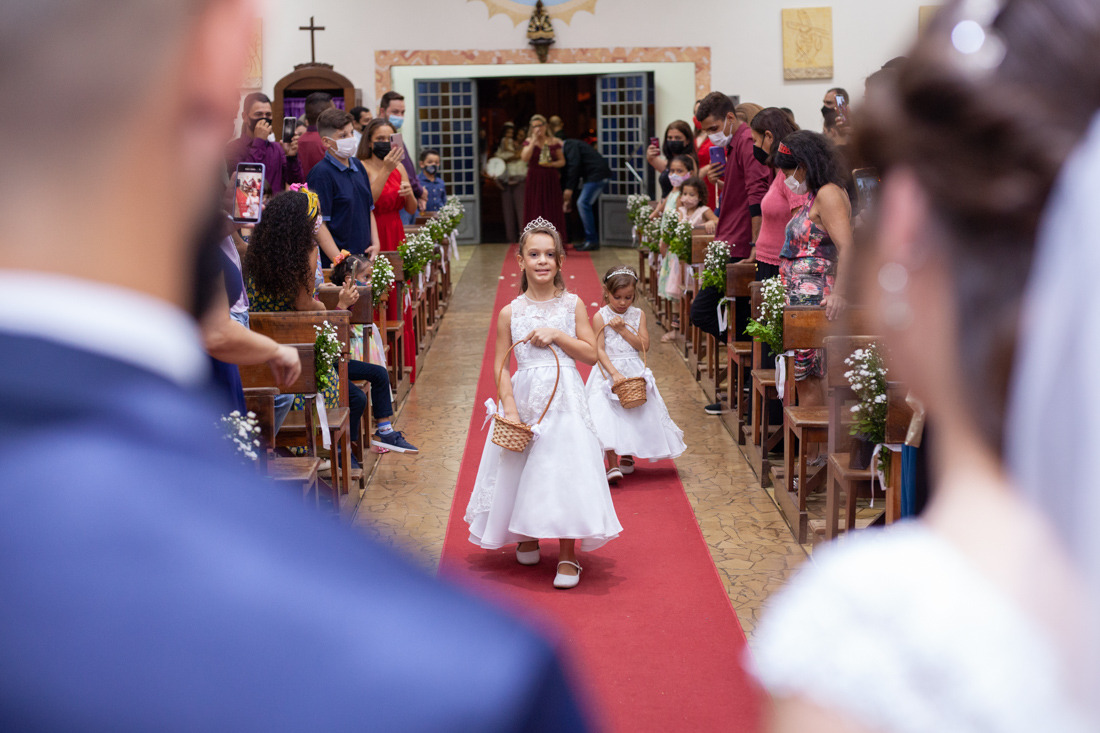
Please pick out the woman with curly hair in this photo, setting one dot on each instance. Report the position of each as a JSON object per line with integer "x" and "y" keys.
{"x": 280, "y": 266}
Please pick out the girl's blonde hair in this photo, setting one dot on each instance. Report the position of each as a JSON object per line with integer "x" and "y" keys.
{"x": 559, "y": 255}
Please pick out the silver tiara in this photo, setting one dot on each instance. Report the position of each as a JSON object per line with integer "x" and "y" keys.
{"x": 622, "y": 271}
{"x": 539, "y": 223}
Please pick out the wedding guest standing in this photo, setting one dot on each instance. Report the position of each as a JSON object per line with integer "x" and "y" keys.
{"x": 281, "y": 165}
{"x": 544, "y": 158}
{"x": 513, "y": 182}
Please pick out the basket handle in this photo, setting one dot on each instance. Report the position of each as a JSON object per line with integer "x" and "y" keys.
{"x": 557, "y": 377}
{"x": 645, "y": 354}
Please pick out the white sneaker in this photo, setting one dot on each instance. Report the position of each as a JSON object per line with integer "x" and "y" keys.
{"x": 528, "y": 557}
{"x": 614, "y": 475}
{"x": 567, "y": 581}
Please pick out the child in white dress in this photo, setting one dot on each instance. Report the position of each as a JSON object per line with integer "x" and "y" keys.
{"x": 645, "y": 431}
{"x": 557, "y": 486}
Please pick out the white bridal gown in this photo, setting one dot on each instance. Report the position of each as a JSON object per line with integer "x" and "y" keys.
{"x": 645, "y": 431}
{"x": 557, "y": 486}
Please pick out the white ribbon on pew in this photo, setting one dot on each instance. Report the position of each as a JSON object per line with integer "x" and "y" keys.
{"x": 876, "y": 472}
{"x": 420, "y": 282}
{"x": 723, "y": 320}
{"x": 322, "y": 418}
{"x": 408, "y": 299}
{"x": 781, "y": 373}
{"x": 453, "y": 236}
{"x": 652, "y": 258}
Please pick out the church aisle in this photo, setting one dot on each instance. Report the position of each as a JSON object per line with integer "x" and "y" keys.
{"x": 408, "y": 499}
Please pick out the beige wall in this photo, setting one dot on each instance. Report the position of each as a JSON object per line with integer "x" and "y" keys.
{"x": 744, "y": 38}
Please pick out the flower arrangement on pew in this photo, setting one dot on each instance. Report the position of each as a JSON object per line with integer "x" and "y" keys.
{"x": 327, "y": 350}
{"x": 651, "y": 233}
{"x": 637, "y": 210}
{"x": 714, "y": 265}
{"x": 381, "y": 279}
{"x": 866, "y": 376}
{"x": 769, "y": 328}
{"x": 450, "y": 215}
{"x": 416, "y": 251}
{"x": 242, "y": 430}
{"x": 677, "y": 233}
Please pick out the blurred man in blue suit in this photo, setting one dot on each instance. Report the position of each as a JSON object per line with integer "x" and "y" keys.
{"x": 146, "y": 581}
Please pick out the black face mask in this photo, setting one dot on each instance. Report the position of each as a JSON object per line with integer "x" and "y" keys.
{"x": 675, "y": 147}
{"x": 380, "y": 148}
{"x": 825, "y": 110}
{"x": 760, "y": 155}
{"x": 431, "y": 170}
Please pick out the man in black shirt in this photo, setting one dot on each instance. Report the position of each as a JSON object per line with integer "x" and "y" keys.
{"x": 582, "y": 162}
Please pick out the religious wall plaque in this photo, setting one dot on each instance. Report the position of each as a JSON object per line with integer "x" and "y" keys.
{"x": 808, "y": 43}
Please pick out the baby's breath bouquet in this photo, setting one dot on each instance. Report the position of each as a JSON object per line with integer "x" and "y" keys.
{"x": 416, "y": 252}
{"x": 714, "y": 265}
{"x": 769, "y": 329}
{"x": 866, "y": 376}
{"x": 327, "y": 352}
{"x": 450, "y": 215}
{"x": 381, "y": 279}
{"x": 651, "y": 232}
{"x": 242, "y": 431}
{"x": 677, "y": 232}
{"x": 637, "y": 209}
{"x": 435, "y": 229}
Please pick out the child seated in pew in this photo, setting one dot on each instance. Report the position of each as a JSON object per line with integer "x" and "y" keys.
{"x": 279, "y": 276}
{"x": 681, "y": 169}
{"x": 693, "y": 205}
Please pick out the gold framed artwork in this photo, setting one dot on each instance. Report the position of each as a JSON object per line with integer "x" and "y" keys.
{"x": 807, "y": 43}
{"x": 254, "y": 75}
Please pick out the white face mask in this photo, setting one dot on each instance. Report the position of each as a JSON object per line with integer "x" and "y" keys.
{"x": 798, "y": 188}
{"x": 720, "y": 139}
{"x": 689, "y": 202}
{"x": 346, "y": 148}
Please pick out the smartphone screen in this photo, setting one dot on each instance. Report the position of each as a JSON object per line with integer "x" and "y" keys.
{"x": 289, "y": 123}
{"x": 867, "y": 186}
{"x": 248, "y": 192}
{"x": 654, "y": 143}
{"x": 396, "y": 141}
{"x": 718, "y": 156}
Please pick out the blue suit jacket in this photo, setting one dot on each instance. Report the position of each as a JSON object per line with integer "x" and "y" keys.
{"x": 147, "y": 582}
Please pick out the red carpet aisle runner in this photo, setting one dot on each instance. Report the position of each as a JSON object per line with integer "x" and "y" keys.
{"x": 650, "y": 624}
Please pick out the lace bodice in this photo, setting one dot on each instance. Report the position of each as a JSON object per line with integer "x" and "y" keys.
{"x": 898, "y": 631}
{"x": 527, "y": 315}
{"x": 614, "y": 344}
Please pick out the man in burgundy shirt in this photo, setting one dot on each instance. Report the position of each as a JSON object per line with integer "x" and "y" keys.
{"x": 310, "y": 148}
{"x": 280, "y": 159}
{"x": 746, "y": 182}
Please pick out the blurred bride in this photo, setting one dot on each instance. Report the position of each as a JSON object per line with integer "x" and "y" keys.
{"x": 980, "y": 615}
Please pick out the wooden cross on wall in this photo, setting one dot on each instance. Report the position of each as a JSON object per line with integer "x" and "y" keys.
{"x": 312, "y": 44}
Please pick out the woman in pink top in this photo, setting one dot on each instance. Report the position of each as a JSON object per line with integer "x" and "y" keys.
{"x": 768, "y": 128}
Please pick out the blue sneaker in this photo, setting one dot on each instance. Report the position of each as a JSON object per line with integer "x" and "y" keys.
{"x": 394, "y": 441}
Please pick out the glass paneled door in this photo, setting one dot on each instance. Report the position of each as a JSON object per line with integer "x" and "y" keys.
{"x": 446, "y": 113}
{"x": 624, "y": 126}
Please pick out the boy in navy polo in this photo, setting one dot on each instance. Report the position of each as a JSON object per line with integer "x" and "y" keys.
{"x": 431, "y": 180}
{"x": 342, "y": 185}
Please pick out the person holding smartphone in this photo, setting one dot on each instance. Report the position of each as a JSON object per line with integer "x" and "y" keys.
{"x": 258, "y": 144}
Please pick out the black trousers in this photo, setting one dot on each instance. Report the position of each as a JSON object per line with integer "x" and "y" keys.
{"x": 704, "y": 313}
{"x": 764, "y": 271}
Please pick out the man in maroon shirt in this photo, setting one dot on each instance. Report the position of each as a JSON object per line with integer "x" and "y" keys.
{"x": 280, "y": 159}
{"x": 746, "y": 182}
{"x": 310, "y": 148}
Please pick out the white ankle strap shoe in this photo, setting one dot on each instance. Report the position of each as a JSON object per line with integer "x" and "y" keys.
{"x": 567, "y": 581}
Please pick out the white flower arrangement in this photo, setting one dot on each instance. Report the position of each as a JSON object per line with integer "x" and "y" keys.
{"x": 416, "y": 252}
{"x": 637, "y": 209}
{"x": 327, "y": 349}
{"x": 867, "y": 378}
{"x": 714, "y": 265}
{"x": 242, "y": 432}
{"x": 677, "y": 233}
{"x": 381, "y": 279}
{"x": 769, "y": 328}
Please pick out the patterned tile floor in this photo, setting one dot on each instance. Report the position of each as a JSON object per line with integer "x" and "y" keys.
{"x": 408, "y": 499}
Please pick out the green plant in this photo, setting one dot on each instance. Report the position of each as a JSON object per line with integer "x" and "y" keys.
{"x": 416, "y": 252}
{"x": 381, "y": 279}
{"x": 714, "y": 265}
{"x": 677, "y": 233}
{"x": 769, "y": 328}
{"x": 327, "y": 350}
{"x": 637, "y": 209}
{"x": 867, "y": 378}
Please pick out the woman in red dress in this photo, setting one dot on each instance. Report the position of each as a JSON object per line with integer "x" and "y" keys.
{"x": 544, "y": 158}
{"x": 390, "y": 188}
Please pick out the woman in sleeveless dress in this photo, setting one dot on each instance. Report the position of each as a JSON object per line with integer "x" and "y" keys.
{"x": 392, "y": 192}
{"x": 980, "y": 614}
{"x": 543, "y": 155}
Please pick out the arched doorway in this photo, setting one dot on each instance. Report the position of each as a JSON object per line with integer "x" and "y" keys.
{"x": 292, "y": 90}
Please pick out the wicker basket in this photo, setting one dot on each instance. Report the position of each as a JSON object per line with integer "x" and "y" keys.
{"x": 516, "y": 436}
{"x": 632, "y": 390}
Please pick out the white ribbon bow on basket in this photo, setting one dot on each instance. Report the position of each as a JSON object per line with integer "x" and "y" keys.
{"x": 492, "y": 409}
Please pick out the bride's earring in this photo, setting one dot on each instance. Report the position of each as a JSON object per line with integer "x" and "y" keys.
{"x": 893, "y": 278}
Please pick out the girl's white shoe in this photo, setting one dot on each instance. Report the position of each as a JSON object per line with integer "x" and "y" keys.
{"x": 567, "y": 581}
{"x": 614, "y": 475}
{"x": 527, "y": 557}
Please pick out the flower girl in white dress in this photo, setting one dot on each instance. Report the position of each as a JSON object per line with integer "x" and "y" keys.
{"x": 645, "y": 431}
{"x": 556, "y": 487}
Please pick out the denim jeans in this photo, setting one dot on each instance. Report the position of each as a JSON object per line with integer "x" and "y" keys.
{"x": 586, "y": 207}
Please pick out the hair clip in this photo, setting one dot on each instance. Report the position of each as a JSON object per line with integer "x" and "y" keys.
{"x": 622, "y": 271}
{"x": 783, "y": 149}
{"x": 299, "y": 187}
{"x": 344, "y": 254}
{"x": 539, "y": 223}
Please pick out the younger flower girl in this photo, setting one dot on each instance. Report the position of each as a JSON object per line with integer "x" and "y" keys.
{"x": 645, "y": 431}
{"x": 556, "y": 487}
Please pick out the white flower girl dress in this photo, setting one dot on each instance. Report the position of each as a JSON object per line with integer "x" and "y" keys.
{"x": 555, "y": 488}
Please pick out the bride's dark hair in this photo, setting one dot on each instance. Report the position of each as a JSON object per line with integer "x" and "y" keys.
{"x": 986, "y": 145}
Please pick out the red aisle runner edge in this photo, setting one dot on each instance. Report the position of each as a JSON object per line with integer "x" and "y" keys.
{"x": 650, "y": 624}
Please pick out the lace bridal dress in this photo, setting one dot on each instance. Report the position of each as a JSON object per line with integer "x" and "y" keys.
{"x": 557, "y": 487}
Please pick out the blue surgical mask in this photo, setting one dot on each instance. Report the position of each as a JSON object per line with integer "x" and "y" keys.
{"x": 396, "y": 122}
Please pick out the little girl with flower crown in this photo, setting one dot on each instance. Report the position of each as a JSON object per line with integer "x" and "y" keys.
{"x": 645, "y": 431}
{"x": 555, "y": 487}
